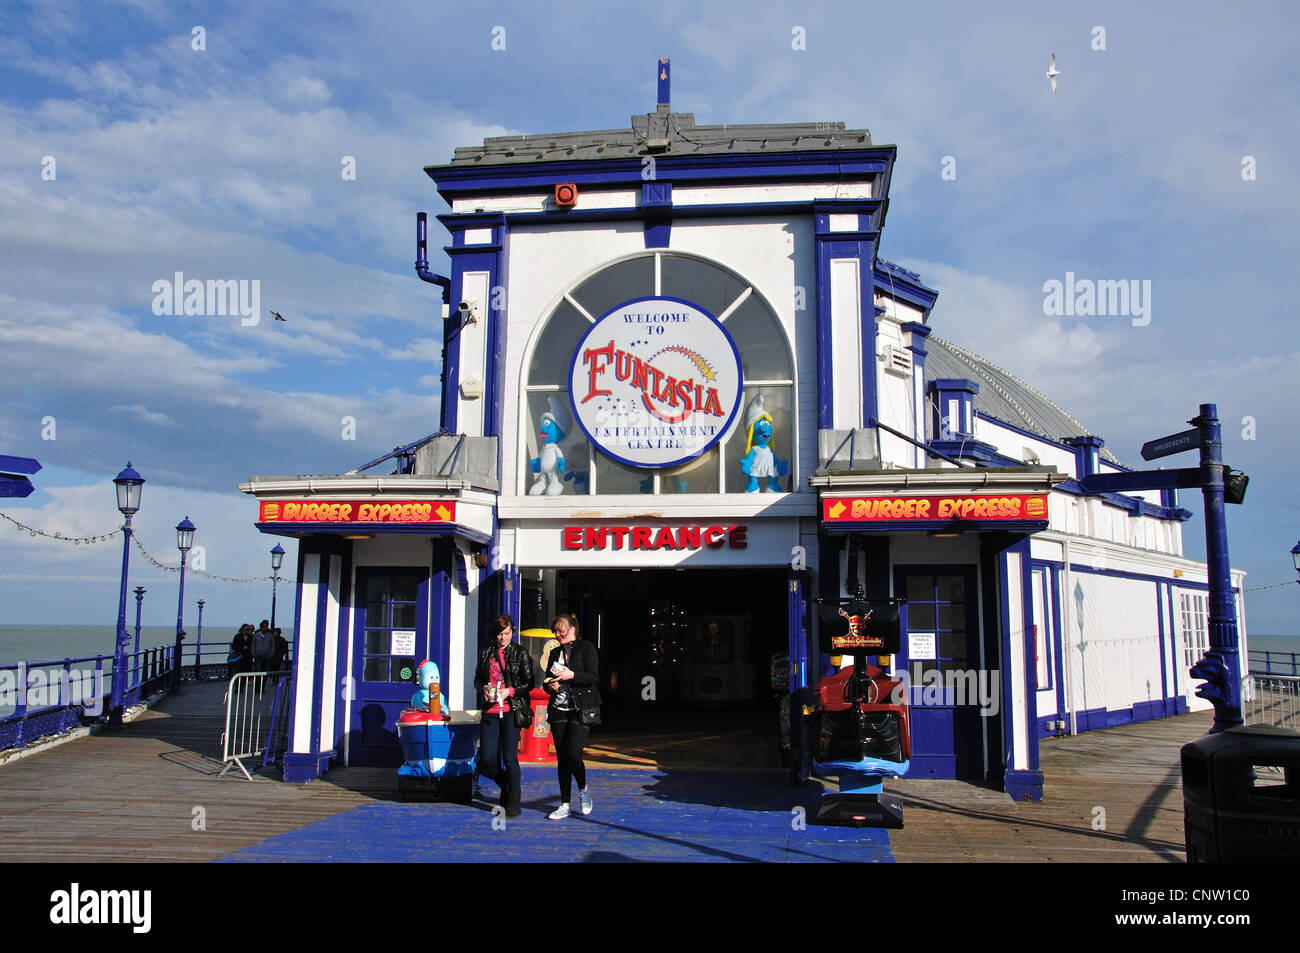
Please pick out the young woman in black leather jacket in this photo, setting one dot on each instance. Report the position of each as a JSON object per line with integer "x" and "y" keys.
{"x": 572, "y": 668}
{"x": 503, "y": 680}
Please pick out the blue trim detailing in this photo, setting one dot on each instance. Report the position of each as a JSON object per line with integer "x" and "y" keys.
{"x": 1146, "y": 577}
{"x": 485, "y": 258}
{"x": 1027, "y": 639}
{"x": 740, "y": 391}
{"x": 895, "y": 285}
{"x": 462, "y": 181}
{"x": 658, "y": 235}
{"x": 1160, "y": 630}
{"x": 297, "y": 654}
{"x": 1004, "y": 650}
{"x": 1173, "y": 642}
{"x": 870, "y": 330}
{"x": 1058, "y": 642}
{"x": 1131, "y": 504}
{"x": 971, "y": 449}
{"x": 1024, "y": 785}
{"x": 825, "y": 362}
{"x": 334, "y": 529}
{"x": 919, "y": 333}
{"x": 301, "y": 768}
{"x": 657, "y": 194}
{"x": 1048, "y": 441}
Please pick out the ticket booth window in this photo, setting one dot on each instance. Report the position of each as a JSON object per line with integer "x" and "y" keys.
{"x": 766, "y": 364}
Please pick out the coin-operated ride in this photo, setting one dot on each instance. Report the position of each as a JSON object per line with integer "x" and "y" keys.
{"x": 439, "y": 747}
{"x": 860, "y": 728}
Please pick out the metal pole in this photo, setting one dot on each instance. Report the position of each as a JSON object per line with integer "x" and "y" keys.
{"x": 180, "y": 629}
{"x": 198, "y": 645}
{"x": 1221, "y": 666}
{"x": 275, "y": 581}
{"x": 119, "y": 651}
{"x": 135, "y": 667}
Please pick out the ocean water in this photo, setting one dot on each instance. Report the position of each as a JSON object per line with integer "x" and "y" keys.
{"x": 47, "y": 643}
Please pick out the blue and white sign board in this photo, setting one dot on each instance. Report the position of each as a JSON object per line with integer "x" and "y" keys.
{"x": 655, "y": 382}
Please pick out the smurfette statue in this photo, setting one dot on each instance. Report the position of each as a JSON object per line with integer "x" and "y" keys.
{"x": 759, "y": 461}
{"x": 549, "y": 463}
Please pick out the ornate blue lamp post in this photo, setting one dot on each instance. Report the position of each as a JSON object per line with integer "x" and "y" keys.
{"x": 198, "y": 645}
{"x": 129, "y": 484}
{"x": 277, "y": 560}
{"x": 1295, "y": 559}
{"x": 139, "y": 602}
{"x": 184, "y": 540}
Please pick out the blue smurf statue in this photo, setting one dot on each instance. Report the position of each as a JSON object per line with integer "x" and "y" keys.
{"x": 549, "y": 463}
{"x": 759, "y": 461}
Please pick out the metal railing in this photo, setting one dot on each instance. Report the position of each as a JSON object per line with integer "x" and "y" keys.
{"x": 256, "y": 710}
{"x": 40, "y": 699}
{"x": 1265, "y": 662}
{"x": 1271, "y": 700}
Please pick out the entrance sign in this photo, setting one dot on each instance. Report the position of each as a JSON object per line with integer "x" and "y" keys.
{"x": 868, "y": 509}
{"x": 655, "y": 537}
{"x": 356, "y": 511}
{"x": 655, "y": 382}
{"x": 1174, "y": 443}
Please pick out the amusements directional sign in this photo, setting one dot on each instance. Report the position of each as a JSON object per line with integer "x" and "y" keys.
{"x": 13, "y": 483}
{"x": 1174, "y": 443}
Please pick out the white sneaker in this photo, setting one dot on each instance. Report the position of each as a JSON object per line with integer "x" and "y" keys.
{"x": 559, "y": 812}
{"x": 584, "y": 801}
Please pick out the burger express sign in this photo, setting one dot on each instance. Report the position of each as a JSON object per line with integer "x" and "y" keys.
{"x": 655, "y": 382}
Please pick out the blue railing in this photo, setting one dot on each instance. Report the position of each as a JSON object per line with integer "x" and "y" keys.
{"x": 39, "y": 699}
{"x": 1264, "y": 662}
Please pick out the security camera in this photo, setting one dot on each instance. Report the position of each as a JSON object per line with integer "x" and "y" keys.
{"x": 466, "y": 312}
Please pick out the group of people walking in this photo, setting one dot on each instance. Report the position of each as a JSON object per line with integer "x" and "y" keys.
{"x": 262, "y": 649}
{"x": 504, "y": 678}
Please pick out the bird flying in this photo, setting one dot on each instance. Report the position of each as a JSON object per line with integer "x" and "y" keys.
{"x": 277, "y": 316}
{"x": 1053, "y": 72}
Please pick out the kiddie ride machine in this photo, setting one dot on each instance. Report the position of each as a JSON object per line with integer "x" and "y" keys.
{"x": 439, "y": 747}
{"x": 860, "y": 727}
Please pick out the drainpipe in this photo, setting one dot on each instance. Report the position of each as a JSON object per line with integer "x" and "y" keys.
{"x": 1067, "y": 623}
{"x": 422, "y": 257}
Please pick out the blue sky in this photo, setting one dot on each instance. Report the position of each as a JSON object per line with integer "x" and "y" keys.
{"x": 225, "y": 163}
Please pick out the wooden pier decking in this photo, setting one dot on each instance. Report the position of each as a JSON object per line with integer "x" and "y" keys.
{"x": 138, "y": 794}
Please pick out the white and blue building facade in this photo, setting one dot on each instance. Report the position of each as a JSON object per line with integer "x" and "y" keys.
{"x": 1034, "y": 610}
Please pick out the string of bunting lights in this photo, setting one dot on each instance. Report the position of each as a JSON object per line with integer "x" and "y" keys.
{"x": 199, "y": 572}
{"x": 1278, "y": 586}
{"x": 75, "y": 540}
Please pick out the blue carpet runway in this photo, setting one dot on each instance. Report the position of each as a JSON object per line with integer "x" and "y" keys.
{"x": 640, "y": 815}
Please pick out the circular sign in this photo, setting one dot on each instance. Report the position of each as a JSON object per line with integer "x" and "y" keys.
{"x": 655, "y": 382}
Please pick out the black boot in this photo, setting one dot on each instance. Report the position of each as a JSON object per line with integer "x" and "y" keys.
{"x": 511, "y": 801}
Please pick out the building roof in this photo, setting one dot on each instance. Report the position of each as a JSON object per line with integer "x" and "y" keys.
{"x": 663, "y": 133}
{"x": 1004, "y": 396}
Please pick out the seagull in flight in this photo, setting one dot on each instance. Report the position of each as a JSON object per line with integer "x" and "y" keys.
{"x": 1053, "y": 72}
{"x": 278, "y": 317}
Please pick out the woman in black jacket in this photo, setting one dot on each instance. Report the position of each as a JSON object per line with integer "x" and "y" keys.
{"x": 572, "y": 676}
{"x": 503, "y": 679}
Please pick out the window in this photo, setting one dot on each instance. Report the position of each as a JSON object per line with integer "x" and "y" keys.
{"x": 1044, "y": 631}
{"x": 391, "y": 627}
{"x": 1195, "y": 630}
{"x": 766, "y": 366}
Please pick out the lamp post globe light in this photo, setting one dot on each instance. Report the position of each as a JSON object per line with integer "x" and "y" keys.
{"x": 277, "y": 560}
{"x": 1295, "y": 558}
{"x": 184, "y": 540}
{"x": 129, "y": 484}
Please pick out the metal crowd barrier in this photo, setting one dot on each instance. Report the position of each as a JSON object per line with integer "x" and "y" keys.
{"x": 1271, "y": 700}
{"x": 252, "y": 715}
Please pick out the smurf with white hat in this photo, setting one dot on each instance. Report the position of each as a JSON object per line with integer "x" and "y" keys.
{"x": 759, "y": 461}
{"x": 549, "y": 463}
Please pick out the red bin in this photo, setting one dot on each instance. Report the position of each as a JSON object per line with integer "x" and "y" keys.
{"x": 535, "y": 743}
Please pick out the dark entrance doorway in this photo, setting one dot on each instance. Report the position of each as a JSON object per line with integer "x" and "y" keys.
{"x": 685, "y": 661}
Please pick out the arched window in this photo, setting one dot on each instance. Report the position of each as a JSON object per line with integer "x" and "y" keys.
{"x": 765, "y": 364}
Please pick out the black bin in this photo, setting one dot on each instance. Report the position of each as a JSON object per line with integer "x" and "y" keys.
{"x": 1241, "y": 796}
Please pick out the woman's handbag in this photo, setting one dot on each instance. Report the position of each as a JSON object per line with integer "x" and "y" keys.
{"x": 522, "y": 707}
{"x": 587, "y": 699}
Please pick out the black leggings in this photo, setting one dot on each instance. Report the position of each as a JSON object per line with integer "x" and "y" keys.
{"x": 570, "y": 735}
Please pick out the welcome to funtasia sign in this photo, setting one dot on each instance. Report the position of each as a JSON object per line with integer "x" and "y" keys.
{"x": 655, "y": 382}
